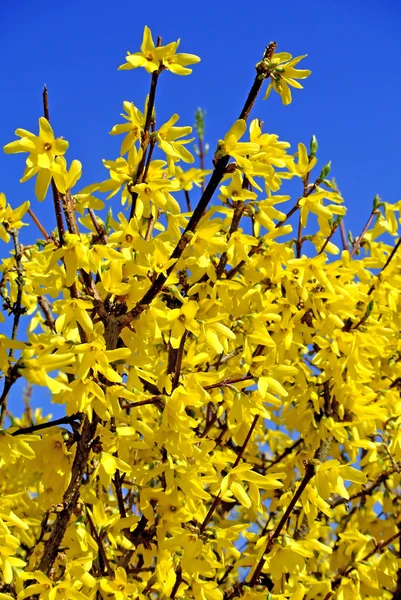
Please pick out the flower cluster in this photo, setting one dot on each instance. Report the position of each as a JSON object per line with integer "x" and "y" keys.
{"x": 230, "y": 394}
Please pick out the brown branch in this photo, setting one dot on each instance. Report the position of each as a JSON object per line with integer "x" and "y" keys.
{"x": 156, "y": 400}
{"x": 39, "y": 224}
{"x": 217, "y": 175}
{"x": 188, "y": 199}
{"x": 367, "y": 489}
{"x": 379, "y": 546}
{"x": 46, "y": 310}
{"x": 226, "y": 382}
{"x": 99, "y": 228}
{"x": 386, "y": 264}
{"x": 99, "y": 543}
{"x": 71, "y": 494}
{"x": 358, "y": 240}
{"x": 145, "y": 135}
{"x": 218, "y": 498}
{"x": 309, "y": 474}
{"x": 343, "y": 236}
{"x": 72, "y": 419}
{"x": 56, "y": 195}
{"x": 286, "y": 452}
{"x": 17, "y": 310}
{"x": 178, "y": 362}
{"x": 328, "y": 239}
{"x": 238, "y": 212}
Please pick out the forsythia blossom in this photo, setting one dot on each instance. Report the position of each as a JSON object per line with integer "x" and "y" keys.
{"x": 228, "y": 385}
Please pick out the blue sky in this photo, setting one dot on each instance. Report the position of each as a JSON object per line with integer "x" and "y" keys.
{"x": 351, "y": 102}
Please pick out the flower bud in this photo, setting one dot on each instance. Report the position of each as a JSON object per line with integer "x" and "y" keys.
{"x": 313, "y": 146}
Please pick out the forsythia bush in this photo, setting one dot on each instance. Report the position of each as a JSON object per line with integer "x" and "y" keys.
{"x": 231, "y": 392}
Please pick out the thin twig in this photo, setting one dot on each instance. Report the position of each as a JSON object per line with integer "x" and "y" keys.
{"x": 56, "y": 195}
{"x": 62, "y": 421}
{"x": 358, "y": 241}
{"x": 39, "y": 224}
{"x": 217, "y": 175}
{"x": 309, "y": 473}
{"x": 218, "y": 498}
{"x": 17, "y": 310}
{"x": 178, "y": 362}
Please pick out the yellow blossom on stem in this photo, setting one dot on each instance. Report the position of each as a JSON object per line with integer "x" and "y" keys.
{"x": 285, "y": 75}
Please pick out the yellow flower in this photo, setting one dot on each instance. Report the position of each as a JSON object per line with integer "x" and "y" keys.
{"x": 304, "y": 164}
{"x": 235, "y": 190}
{"x": 152, "y": 58}
{"x": 42, "y": 150}
{"x": 10, "y": 218}
{"x": 232, "y": 147}
{"x": 133, "y": 128}
{"x": 64, "y": 178}
{"x": 96, "y": 357}
{"x": 118, "y": 588}
{"x": 167, "y": 137}
{"x": 183, "y": 320}
{"x": 149, "y": 57}
{"x": 177, "y": 63}
{"x": 284, "y": 75}
{"x": 73, "y": 311}
{"x": 330, "y": 478}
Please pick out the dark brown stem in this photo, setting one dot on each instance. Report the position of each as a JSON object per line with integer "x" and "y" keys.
{"x": 343, "y": 236}
{"x": 177, "y": 583}
{"x": 217, "y": 175}
{"x": 146, "y": 132}
{"x": 286, "y": 452}
{"x": 393, "y": 252}
{"x": 217, "y": 499}
{"x": 238, "y": 212}
{"x": 378, "y": 548}
{"x": 226, "y": 382}
{"x": 188, "y": 199}
{"x": 99, "y": 543}
{"x": 39, "y": 224}
{"x": 62, "y": 421}
{"x": 56, "y": 195}
{"x": 17, "y": 310}
{"x": 358, "y": 240}
{"x": 157, "y": 401}
{"x": 309, "y": 473}
{"x": 178, "y": 362}
{"x": 47, "y": 312}
{"x": 71, "y": 495}
{"x": 99, "y": 228}
{"x": 328, "y": 239}
{"x": 368, "y": 489}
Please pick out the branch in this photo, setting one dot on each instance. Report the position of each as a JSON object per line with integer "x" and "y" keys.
{"x": 178, "y": 362}
{"x": 226, "y": 382}
{"x": 217, "y": 175}
{"x": 39, "y": 225}
{"x": 379, "y": 546}
{"x": 367, "y": 490}
{"x": 358, "y": 240}
{"x": 309, "y": 474}
{"x": 72, "y": 419}
{"x": 99, "y": 542}
{"x": 71, "y": 494}
{"x": 218, "y": 498}
{"x": 386, "y": 264}
{"x": 56, "y": 195}
{"x": 17, "y": 309}
{"x": 286, "y": 452}
{"x": 145, "y": 135}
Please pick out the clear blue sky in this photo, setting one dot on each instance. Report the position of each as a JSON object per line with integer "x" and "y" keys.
{"x": 351, "y": 102}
